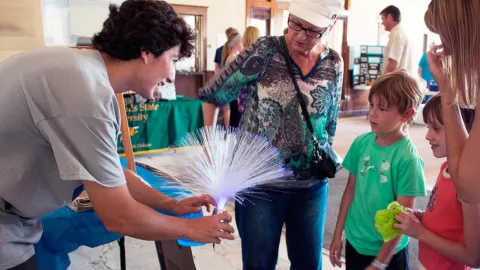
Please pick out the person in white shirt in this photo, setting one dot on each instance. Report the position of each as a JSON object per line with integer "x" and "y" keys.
{"x": 398, "y": 53}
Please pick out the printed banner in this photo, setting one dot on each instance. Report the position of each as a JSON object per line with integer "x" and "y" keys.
{"x": 158, "y": 125}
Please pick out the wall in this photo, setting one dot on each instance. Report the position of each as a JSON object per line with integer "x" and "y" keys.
{"x": 19, "y": 35}
{"x": 221, "y": 15}
{"x": 86, "y": 18}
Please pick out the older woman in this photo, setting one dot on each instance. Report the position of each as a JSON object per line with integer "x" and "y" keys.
{"x": 273, "y": 110}
{"x": 456, "y": 70}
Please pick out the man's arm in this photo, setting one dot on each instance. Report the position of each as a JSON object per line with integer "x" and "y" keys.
{"x": 85, "y": 147}
{"x": 392, "y": 65}
{"x": 397, "y": 48}
{"x": 122, "y": 214}
{"x": 143, "y": 193}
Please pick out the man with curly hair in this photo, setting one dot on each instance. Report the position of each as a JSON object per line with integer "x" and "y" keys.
{"x": 60, "y": 121}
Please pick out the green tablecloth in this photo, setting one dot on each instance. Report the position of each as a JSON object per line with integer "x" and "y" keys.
{"x": 157, "y": 125}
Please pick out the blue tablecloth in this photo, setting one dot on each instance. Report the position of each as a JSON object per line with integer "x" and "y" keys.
{"x": 65, "y": 230}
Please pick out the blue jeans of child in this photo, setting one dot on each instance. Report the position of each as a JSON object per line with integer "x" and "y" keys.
{"x": 260, "y": 227}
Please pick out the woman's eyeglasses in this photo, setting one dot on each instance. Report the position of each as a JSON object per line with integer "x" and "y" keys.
{"x": 310, "y": 33}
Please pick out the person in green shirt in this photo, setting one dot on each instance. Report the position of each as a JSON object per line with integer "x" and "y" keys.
{"x": 384, "y": 166}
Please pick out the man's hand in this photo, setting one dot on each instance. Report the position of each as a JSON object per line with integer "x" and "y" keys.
{"x": 208, "y": 229}
{"x": 189, "y": 205}
{"x": 409, "y": 225}
{"x": 371, "y": 267}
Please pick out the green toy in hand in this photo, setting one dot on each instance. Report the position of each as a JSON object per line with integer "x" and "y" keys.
{"x": 384, "y": 220}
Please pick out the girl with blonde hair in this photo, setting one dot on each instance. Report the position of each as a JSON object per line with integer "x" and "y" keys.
{"x": 250, "y": 36}
{"x": 237, "y": 106}
{"x": 218, "y": 52}
{"x": 231, "y": 49}
{"x": 455, "y": 66}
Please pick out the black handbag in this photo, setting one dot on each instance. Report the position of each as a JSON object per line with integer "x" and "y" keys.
{"x": 325, "y": 161}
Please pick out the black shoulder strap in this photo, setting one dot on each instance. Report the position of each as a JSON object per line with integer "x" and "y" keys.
{"x": 286, "y": 55}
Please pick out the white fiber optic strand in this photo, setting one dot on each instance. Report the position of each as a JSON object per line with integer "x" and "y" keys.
{"x": 225, "y": 164}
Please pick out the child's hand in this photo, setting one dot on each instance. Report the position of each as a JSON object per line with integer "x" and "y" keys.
{"x": 417, "y": 213}
{"x": 409, "y": 225}
{"x": 336, "y": 251}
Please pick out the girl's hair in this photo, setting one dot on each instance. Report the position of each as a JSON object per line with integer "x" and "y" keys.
{"x": 397, "y": 89}
{"x": 250, "y": 36}
{"x": 432, "y": 113}
{"x": 230, "y": 30}
{"x": 232, "y": 39}
{"x": 455, "y": 22}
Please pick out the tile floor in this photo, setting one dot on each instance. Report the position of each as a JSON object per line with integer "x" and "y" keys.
{"x": 227, "y": 256}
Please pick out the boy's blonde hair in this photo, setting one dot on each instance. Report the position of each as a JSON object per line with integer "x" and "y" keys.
{"x": 397, "y": 89}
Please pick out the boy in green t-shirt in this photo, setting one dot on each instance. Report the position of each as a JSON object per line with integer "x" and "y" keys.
{"x": 384, "y": 167}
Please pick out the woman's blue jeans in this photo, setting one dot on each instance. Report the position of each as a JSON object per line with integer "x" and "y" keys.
{"x": 260, "y": 227}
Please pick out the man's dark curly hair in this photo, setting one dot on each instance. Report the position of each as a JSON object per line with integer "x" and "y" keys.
{"x": 143, "y": 25}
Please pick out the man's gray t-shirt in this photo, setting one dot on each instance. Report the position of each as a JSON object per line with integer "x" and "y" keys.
{"x": 59, "y": 121}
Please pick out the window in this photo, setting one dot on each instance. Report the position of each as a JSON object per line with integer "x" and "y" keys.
{"x": 190, "y": 64}
{"x": 56, "y": 22}
{"x": 196, "y": 17}
{"x": 260, "y": 14}
{"x": 66, "y": 22}
{"x": 260, "y": 18}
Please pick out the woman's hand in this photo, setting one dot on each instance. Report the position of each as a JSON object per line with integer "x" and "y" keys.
{"x": 409, "y": 225}
{"x": 434, "y": 58}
